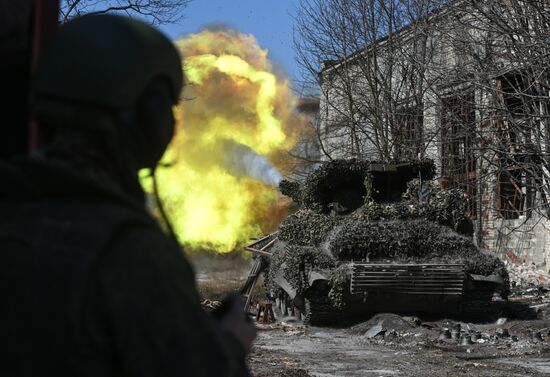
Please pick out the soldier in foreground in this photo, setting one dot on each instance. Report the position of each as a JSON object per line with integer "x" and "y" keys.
{"x": 89, "y": 284}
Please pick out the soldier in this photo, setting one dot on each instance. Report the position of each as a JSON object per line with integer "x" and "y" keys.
{"x": 90, "y": 285}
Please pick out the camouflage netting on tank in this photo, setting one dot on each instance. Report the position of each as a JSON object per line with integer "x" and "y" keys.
{"x": 307, "y": 228}
{"x": 319, "y": 185}
{"x": 429, "y": 200}
{"x": 414, "y": 241}
{"x": 317, "y": 191}
{"x": 291, "y": 189}
{"x": 295, "y": 262}
{"x": 339, "y": 284}
{"x": 422, "y": 228}
{"x": 445, "y": 207}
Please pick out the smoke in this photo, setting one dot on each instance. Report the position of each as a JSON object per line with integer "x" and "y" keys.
{"x": 243, "y": 161}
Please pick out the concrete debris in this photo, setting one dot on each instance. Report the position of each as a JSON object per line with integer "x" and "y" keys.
{"x": 466, "y": 340}
{"x": 386, "y": 321}
{"x": 501, "y": 321}
{"x": 507, "y": 333}
{"x": 445, "y": 334}
{"x": 375, "y": 331}
{"x": 405, "y": 350}
{"x": 523, "y": 274}
{"x": 455, "y": 334}
{"x": 413, "y": 320}
{"x": 502, "y": 333}
{"x": 537, "y": 337}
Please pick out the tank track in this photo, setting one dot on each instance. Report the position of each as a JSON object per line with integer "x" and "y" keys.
{"x": 319, "y": 311}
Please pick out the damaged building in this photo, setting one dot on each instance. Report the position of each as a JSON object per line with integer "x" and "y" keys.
{"x": 468, "y": 87}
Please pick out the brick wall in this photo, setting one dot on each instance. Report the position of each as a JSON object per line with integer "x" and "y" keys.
{"x": 526, "y": 238}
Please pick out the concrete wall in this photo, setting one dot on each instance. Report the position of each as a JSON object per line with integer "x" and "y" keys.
{"x": 528, "y": 239}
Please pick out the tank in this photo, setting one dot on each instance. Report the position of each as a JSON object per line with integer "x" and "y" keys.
{"x": 370, "y": 237}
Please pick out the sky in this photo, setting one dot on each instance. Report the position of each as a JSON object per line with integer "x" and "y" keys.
{"x": 270, "y": 21}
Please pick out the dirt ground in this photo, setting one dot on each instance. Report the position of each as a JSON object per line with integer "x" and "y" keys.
{"x": 291, "y": 349}
{"x": 389, "y": 344}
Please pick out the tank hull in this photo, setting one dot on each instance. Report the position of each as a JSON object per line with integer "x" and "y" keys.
{"x": 419, "y": 289}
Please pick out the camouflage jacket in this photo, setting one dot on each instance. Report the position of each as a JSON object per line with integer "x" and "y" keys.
{"x": 90, "y": 286}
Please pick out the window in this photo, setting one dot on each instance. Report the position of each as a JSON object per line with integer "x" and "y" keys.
{"x": 519, "y": 101}
{"x": 510, "y": 196}
{"x": 458, "y": 134}
{"x": 408, "y": 133}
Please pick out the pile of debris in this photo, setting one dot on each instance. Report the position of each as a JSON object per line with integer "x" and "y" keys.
{"x": 394, "y": 329}
{"x": 523, "y": 274}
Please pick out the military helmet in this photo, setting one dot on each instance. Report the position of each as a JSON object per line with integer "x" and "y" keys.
{"x": 107, "y": 61}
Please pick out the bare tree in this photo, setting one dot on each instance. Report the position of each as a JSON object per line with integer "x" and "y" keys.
{"x": 501, "y": 118}
{"x": 373, "y": 58}
{"x": 466, "y": 82}
{"x": 156, "y": 11}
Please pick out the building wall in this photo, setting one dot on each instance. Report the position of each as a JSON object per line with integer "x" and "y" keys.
{"x": 528, "y": 239}
{"x": 306, "y": 152}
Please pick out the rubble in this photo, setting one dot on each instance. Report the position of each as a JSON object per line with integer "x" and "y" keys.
{"x": 450, "y": 333}
{"x": 523, "y": 274}
{"x": 414, "y": 347}
{"x": 375, "y": 331}
{"x": 445, "y": 334}
{"x": 466, "y": 340}
{"x": 382, "y": 323}
{"x": 502, "y": 333}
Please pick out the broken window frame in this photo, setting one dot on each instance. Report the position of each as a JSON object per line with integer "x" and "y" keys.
{"x": 520, "y": 166}
{"x": 458, "y": 144}
{"x": 408, "y": 132}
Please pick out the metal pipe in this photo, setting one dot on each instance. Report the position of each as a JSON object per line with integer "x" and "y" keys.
{"x": 262, "y": 251}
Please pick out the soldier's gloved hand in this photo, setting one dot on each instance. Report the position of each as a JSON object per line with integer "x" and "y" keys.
{"x": 232, "y": 318}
